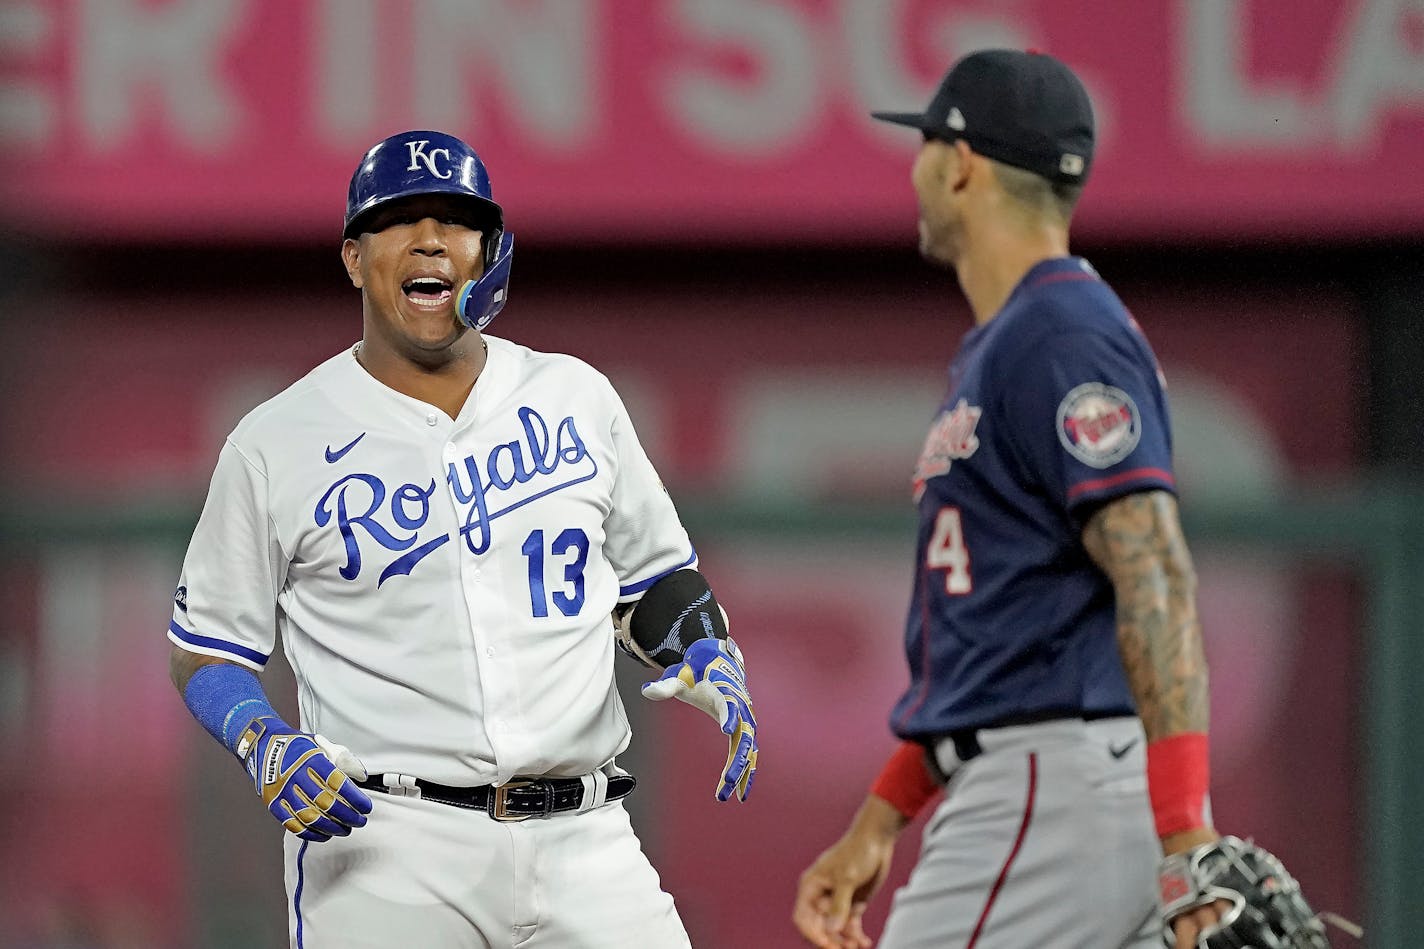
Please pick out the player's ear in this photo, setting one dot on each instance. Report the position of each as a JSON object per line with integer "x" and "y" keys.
{"x": 351, "y": 257}
{"x": 961, "y": 165}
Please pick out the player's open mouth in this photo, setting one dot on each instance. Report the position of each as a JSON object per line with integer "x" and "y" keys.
{"x": 427, "y": 291}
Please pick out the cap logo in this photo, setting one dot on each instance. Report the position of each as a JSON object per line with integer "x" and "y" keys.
{"x": 419, "y": 156}
{"x": 1071, "y": 164}
{"x": 955, "y": 119}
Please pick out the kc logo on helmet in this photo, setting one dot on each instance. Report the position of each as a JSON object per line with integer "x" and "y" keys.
{"x": 419, "y": 156}
{"x": 1098, "y": 424}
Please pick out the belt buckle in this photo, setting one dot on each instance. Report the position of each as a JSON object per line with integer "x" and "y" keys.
{"x": 498, "y": 808}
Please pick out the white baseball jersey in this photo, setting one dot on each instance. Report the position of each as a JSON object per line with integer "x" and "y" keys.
{"x": 442, "y": 586}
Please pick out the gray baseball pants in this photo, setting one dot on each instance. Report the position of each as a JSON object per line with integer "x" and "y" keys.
{"x": 1045, "y": 840}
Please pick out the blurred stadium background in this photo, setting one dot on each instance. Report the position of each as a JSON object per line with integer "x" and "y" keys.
{"x": 706, "y": 213}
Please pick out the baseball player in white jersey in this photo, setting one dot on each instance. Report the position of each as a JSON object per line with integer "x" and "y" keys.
{"x": 440, "y": 523}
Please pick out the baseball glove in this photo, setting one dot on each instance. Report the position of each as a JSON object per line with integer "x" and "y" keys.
{"x": 1267, "y": 909}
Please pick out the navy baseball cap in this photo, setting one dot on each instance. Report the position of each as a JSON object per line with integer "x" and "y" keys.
{"x": 1024, "y": 109}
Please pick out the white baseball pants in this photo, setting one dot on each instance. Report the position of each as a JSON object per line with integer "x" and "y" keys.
{"x": 423, "y": 874}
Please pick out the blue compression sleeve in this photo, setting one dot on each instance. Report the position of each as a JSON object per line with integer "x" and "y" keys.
{"x": 225, "y": 698}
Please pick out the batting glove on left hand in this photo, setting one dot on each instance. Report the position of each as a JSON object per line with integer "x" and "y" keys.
{"x": 712, "y": 677}
{"x": 303, "y": 779}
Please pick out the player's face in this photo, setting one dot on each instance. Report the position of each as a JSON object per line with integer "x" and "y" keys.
{"x": 409, "y": 263}
{"x": 934, "y": 175}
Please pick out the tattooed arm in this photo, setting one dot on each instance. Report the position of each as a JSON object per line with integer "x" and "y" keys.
{"x": 1137, "y": 541}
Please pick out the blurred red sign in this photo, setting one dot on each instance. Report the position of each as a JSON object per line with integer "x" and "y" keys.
{"x": 645, "y": 119}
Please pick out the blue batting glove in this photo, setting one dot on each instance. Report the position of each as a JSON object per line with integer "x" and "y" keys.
{"x": 712, "y": 677}
{"x": 298, "y": 778}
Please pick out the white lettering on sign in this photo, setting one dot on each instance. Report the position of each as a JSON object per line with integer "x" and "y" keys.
{"x": 1377, "y": 71}
{"x": 347, "y": 63}
{"x": 1373, "y": 74}
{"x": 28, "y": 112}
{"x": 878, "y": 36}
{"x": 878, "y": 50}
{"x": 730, "y": 114}
{"x": 857, "y": 56}
{"x": 142, "y": 87}
{"x": 126, "y": 49}
{"x": 540, "y": 55}
{"x": 538, "y": 58}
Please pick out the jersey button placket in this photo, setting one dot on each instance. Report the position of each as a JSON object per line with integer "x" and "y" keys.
{"x": 470, "y": 567}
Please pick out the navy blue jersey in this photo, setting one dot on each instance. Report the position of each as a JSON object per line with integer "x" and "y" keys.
{"x": 1055, "y": 406}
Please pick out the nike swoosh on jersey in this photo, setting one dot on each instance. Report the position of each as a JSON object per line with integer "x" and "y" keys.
{"x": 1119, "y": 752}
{"x": 332, "y": 457}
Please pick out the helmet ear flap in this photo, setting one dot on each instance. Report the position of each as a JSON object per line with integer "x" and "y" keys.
{"x": 494, "y": 237}
{"x": 478, "y": 302}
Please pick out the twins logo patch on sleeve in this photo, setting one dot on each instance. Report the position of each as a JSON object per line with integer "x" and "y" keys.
{"x": 1098, "y": 424}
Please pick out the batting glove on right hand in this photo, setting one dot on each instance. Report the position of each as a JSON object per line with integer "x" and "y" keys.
{"x": 712, "y": 677}
{"x": 303, "y": 779}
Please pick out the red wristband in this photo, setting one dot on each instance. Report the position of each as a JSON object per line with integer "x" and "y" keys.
{"x": 906, "y": 782}
{"x": 1178, "y": 775}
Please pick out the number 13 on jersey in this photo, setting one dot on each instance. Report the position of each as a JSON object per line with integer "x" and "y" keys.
{"x": 947, "y": 552}
{"x": 572, "y": 543}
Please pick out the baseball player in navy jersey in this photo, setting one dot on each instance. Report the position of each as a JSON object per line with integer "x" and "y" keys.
{"x": 1058, "y": 690}
{"x": 450, "y": 532}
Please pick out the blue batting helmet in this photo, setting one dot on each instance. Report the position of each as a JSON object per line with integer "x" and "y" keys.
{"x": 424, "y": 162}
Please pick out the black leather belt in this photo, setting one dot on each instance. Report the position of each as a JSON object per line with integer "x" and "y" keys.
{"x": 966, "y": 740}
{"x": 518, "y": 800}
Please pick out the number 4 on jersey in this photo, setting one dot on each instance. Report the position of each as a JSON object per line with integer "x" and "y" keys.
{"x": 947, "y": 552}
